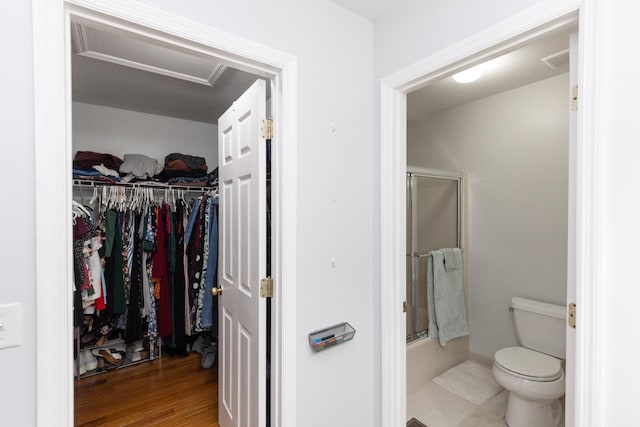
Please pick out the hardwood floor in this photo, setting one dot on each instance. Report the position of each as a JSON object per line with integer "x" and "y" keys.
{"x": 172, "y": 391}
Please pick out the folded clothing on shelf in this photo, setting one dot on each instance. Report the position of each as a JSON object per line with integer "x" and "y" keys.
{"x": 88, "y": 159}
{"x": 140, "y": 166}
{"x": 184, "y": 162}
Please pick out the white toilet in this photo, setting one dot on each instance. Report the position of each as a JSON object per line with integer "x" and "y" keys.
{"x": 533, "y": 373}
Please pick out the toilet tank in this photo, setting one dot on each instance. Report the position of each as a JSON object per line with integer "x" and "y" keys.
{"x": 540, "y": 326}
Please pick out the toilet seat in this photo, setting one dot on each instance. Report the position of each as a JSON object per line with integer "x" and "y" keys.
{"x": 528, "y": 364}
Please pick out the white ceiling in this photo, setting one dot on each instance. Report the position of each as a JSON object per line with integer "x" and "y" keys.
{"x": 370, "y": 9}
{"x": 131, "y": 73}
{"x": 514, "y": 69}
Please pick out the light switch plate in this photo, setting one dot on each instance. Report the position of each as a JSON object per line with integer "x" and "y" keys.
{"x": 10, "y": 326}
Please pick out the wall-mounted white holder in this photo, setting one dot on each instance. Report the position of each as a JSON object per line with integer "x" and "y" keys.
{"x": 10, "y": 326}
{"x": 333, "y": 335}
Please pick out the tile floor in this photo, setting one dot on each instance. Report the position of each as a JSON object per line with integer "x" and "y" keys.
{"x": 438, "y": 407}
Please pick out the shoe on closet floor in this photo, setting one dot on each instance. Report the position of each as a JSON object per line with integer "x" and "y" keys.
{"x": 209, "y": 354}
{"x": 134, "y": 349}
{"x": 91, "y": 362}
{"x": 88, "y": 339}
{"x": 110, "y": 359}
{"x": 134, "y": 356}
{"x": 82, "y": 363}
{"x": 102, "y": 340}
{"x": 197, "y": 345}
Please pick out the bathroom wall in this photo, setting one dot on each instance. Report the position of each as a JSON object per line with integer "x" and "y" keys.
{"x": 514, "y": 149}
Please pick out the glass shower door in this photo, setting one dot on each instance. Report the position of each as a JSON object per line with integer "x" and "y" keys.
{"x": 433, "y": 218}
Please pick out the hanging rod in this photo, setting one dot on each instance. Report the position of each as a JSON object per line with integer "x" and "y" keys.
{"x": 153, "y": 185}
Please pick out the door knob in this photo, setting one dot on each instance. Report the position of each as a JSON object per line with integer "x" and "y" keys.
{"x": 216, "y": 291}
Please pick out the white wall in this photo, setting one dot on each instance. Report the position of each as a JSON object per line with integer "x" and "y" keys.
{"x": 335, "y": 55}
{"x": 514, "y": 149}
{"x": 621, "y": 213}
{"x": 335, "y": 174}
{"x": 119, "y": 132}
{"x": 419, "y": 28}
{"x": 335, "y": 46}
{"x": 18, "y": 364}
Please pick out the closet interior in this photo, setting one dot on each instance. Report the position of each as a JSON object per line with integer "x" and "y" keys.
{"x": 145, "y": 198}
{"x": 144, "y": 264}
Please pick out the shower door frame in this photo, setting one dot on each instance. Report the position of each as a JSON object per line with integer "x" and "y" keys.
{"x": 420, "y": 172}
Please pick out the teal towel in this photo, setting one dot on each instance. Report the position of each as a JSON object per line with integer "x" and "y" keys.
{"x": 452, "y": 258}
{"x": 445, "y": 299}
{"x": 431, "y": 309}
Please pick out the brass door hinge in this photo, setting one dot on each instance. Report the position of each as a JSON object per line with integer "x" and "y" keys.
{"x": 571, "y": 318}
{"x": 266, "y": 129}
{"x": 574, "y": 98}
{"x": 266, "y": 287}
{"x": 404, "y": 306}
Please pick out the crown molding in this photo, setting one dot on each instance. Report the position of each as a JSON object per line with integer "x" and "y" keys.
{"x": 144, "y": 67}
{"x": 216, "y": 74}
{"x": 78, "y": 38}
{"x": 80, "y": 46}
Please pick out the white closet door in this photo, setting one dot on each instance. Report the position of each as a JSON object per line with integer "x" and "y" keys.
{"x": 242, "y": 262}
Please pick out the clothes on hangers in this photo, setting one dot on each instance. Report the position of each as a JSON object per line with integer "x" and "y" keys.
{"x": 144, "y": 266}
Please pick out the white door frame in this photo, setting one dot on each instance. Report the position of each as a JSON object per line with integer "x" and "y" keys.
{"x": 517, "y": 30}
{"x": 53, "y": 151}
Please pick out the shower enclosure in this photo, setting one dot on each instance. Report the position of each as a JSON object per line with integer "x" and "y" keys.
{"x": 433, "y": 222}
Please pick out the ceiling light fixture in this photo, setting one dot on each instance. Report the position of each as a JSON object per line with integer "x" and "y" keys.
{"x": 468, "y": 76}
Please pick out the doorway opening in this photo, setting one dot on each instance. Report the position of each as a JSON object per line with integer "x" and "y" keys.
{"x": 493, "y": 42}
{"x": 158, "y": 108}
{"x": 54, "y": 153}
{"x": 510, "y": 144}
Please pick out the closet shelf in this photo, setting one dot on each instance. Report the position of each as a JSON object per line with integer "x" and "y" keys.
{"x": 80, "y": 183}
{"x": 107, "y": 343}
{"x": 125, "y": 364}
{"x": 114, "y": 343}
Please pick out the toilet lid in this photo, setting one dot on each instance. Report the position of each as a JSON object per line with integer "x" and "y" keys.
{"x": 529, "y": 363}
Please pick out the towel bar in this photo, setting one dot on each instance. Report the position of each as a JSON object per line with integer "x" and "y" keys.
{"x": 418, "y": 255}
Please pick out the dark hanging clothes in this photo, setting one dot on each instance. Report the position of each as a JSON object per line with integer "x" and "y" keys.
{"x": 119, "y": 302}
{"x": 161, "y": 272}
{"x": 82, "y": 231}
{"x": 108, "y": 279}
{"x": 207, "y": 315}
{"x": 171, "y": 263}
{"x": 195, "y": 253}
{"x": 158, "y": 263}
{"x": 78, "y": 312}
{"x": 135, "y": 330}
{"x": 127, "y": 252}
{"x": 179, "y": 337}
{"x": 110, "y": 232}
